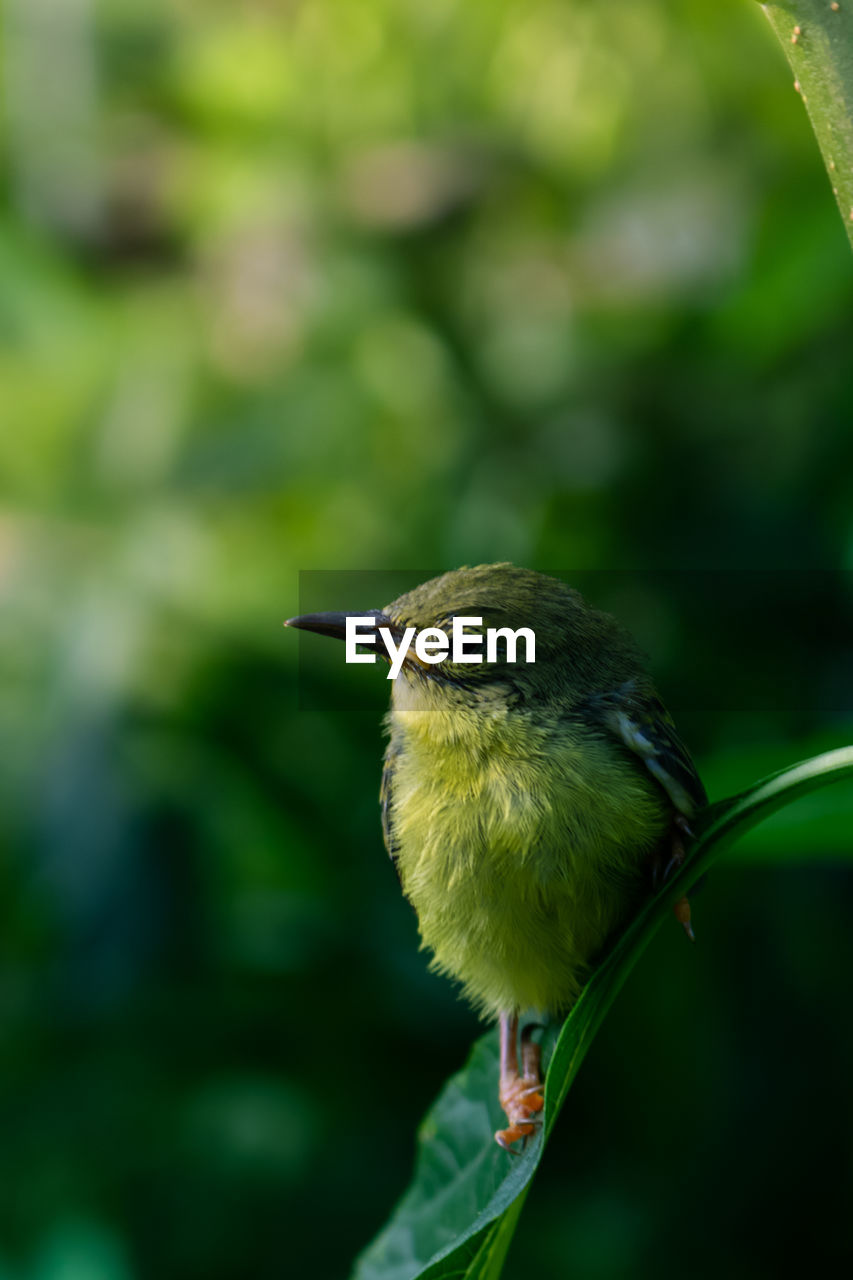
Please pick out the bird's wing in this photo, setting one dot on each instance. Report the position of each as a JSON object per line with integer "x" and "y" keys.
{"x": 641, "y": 721}
{"x": 386, "y": 799}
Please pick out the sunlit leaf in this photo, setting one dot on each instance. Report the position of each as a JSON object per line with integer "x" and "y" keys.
{"x": 817, "y": 37}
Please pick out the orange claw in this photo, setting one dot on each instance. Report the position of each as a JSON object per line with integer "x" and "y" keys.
{"x": 506, "y": 1137}
{"x": 681, "y": 911}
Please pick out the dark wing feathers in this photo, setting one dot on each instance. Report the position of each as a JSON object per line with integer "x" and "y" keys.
{"x": 386, "y": 800}
{"x": 641, "y": 721}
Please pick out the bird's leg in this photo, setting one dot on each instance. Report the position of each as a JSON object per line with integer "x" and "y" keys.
{"x": 662, "y": 870}
{"x": 520, "y": 1094}
{"x": 531, "y": 1054}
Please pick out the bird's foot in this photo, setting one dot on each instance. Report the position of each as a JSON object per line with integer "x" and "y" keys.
{"x": 521, "y": 1096}
{"x": 521, "y": 1099}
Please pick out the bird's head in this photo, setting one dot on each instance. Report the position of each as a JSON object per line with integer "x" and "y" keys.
{"x": 548, "y": 619}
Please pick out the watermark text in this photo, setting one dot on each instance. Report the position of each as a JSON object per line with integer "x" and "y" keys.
{"x": 432, "y": 645}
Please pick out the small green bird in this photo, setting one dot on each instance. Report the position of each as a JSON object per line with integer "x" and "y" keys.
{"x": 529, "y": 806}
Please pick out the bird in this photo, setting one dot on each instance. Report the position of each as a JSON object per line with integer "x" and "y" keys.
{"x": 530, "y": 807}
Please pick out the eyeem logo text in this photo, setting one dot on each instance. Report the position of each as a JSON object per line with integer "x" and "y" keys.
{"x": 432, "y": 644}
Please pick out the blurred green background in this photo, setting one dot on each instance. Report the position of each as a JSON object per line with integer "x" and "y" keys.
{"x": 395, "y": 284}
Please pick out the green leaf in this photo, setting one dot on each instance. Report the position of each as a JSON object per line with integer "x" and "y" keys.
{"x": 817, "y": 36}
{"x": 458, "y": 1216}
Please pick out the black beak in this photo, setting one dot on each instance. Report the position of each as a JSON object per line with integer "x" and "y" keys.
{"x": 335, "y": 624}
